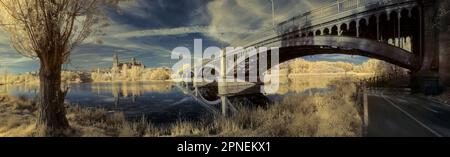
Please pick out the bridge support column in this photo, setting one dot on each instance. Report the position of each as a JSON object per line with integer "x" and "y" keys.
{"x": 399, "y": 29}
{"x": 444, "y": 57}
{"x": 378, "y": 27}
{"x": 444, "y": 43}
{"x": 357, "y": 28}
{"x": 223, "y": 66}
{"x": 427, "y": 79}
{"x": 223, "y": 71}
{"x": 224, "y": 105}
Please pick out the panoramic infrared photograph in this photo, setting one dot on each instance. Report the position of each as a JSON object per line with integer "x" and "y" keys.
{"x": 224, "y": 69}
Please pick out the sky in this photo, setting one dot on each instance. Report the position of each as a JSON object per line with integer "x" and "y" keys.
{"x": 150, "y": 29}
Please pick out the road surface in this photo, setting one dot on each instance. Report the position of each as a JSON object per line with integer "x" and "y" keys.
{"x": 396, "y": 113}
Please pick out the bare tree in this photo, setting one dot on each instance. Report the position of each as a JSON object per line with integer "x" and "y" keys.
{"x": 48, "y": 30}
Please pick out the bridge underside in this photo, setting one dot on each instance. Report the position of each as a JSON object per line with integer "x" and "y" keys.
{"x": 301, "y": 47}
{"x": 307, "y": 46}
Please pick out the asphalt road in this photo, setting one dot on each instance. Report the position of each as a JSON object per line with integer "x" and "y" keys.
{"x": 400, "y": 114}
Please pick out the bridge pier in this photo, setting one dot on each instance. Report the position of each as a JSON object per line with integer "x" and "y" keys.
{"x": 444, "y": 57}
{"x": 224, "y": 107}
{"x": 223, "y": 71}
{"x": 444, "y": 42}
{"x": 434, "y": 55}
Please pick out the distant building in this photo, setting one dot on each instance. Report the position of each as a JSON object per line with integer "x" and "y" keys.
{"x": 125, "y": 70}
{"x": 129, "y": 65}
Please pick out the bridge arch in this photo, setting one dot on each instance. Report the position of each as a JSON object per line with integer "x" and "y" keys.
{"x": 318, "y": 32}
{"x": 344, "y": 28}
{"x": 326, "y": 31}
{"x": 303, "y": 35}
{"x": 363, "y": 25}
{"x": 301, "y": 47}
{"x": 347, "y": 45}
{"x": 334, "y": 30}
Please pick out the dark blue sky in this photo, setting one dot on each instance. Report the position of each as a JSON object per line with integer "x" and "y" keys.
{"x": 150, "y": 29}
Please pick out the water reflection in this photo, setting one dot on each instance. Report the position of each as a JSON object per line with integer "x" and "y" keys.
{"x": 126, "y": 96}
{"x": 23, "y": 89}
{"x": 305, "y": 84}
{"x": 125, "y": 90}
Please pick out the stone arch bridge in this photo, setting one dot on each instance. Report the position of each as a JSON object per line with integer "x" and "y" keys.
{"x": 411, "y": 34}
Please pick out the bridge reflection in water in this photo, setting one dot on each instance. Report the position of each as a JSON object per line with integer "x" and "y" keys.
{"x": 208, "y": 95}
{"x": 222, "y": 100}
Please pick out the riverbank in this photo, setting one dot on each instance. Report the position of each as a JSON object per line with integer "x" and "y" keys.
{"x": 326, "y": 114}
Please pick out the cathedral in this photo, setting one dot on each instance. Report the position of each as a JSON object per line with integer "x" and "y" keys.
{"x": 120, "y": 65}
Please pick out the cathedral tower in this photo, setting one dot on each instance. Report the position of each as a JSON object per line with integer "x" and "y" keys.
{"x": 115, "y": 60}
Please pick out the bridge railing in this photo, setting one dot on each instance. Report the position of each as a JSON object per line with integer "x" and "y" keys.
{"x": 350, "y": 5}
{"x": 294, "y": 23}
{"x": 330, "y": 10}
{"x": 290, "y": 23}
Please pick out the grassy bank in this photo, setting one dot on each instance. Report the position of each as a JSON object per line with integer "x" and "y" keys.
{"x": 326, "y": 114}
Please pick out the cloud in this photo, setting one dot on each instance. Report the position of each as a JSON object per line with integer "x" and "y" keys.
{"x": 152, "y": 14}
{"x": 14, "y": 60}
{"x": 3, "y": 37}
{"x": 150, "y": 29}
{"x": 237, "y": 19}
{"x": 228, "y": 21}
{"x": 9, "y": 58}
{"x": 162, "y": 32}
